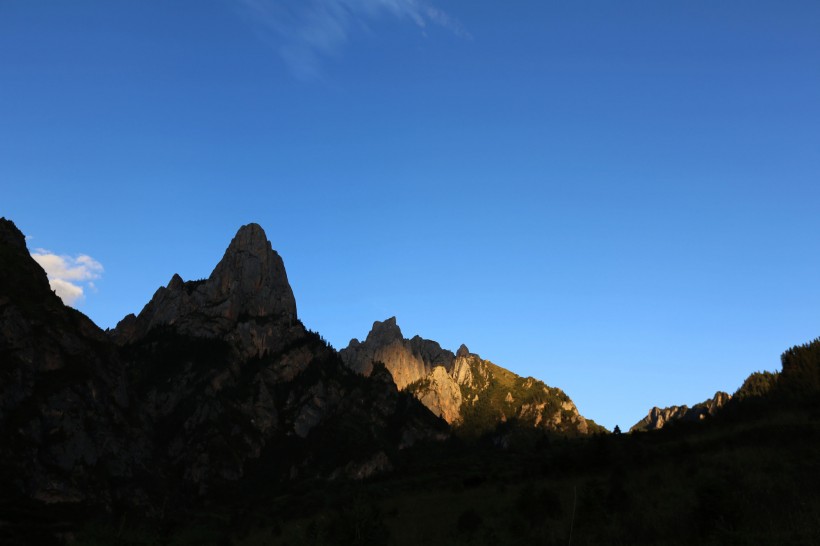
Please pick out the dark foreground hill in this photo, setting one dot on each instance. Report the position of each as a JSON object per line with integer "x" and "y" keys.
{"x": 731, "y": 479}
{"x": 749, "y": 474}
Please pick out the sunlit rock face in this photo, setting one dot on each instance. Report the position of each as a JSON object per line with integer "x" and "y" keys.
{"x": 441, "y": 395}
{"x": 660, "y": 417}
{"x": 407, "y": 359}
{"x": 465, "y": 390}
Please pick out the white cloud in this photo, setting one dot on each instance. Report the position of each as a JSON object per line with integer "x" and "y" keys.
{"x": 69, "y": 293}
{"x": 69, "y": 276}
{"x": 308, "y": 30}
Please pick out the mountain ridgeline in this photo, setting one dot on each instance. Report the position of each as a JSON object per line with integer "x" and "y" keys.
{"x": 217, "y": 381}
{"x": 797, "y": 384}
{"x": 658, "y": 417}
{"x": 215, "y": 414}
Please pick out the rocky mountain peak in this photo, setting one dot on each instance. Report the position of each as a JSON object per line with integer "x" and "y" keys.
{"x": 249, "y": 282}
{"x": 250, "y": 238}
{"x": 384, "y": 332}
{"x": 250, "y": 279}
{"x": 176, "y": 283}
{"x": 657, "y": 417}
{"x": 408, "y": 360}
{"x": 463, "y": 351}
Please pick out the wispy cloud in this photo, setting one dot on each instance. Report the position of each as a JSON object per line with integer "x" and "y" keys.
{"x": 69, "y": 276}
{"x": 307, "y": 31}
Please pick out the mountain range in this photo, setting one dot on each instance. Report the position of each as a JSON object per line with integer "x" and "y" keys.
{"x": 216, "y": 380}
{"x": 216, "y": 387}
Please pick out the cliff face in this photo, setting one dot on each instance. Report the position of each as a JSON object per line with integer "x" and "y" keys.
{"x": 407, "y": 359}
{"x": 440, "y": 394}
{"x": 659, "y": 417}
{"x": 470, "y": 393}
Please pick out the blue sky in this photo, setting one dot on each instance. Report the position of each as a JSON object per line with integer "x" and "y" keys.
{"x": 619, "y": 198}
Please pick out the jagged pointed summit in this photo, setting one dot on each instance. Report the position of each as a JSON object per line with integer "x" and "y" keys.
{"x": 384, "y": 332}
{"x": 250, "y": 279}
{"x": 248, "y": 282}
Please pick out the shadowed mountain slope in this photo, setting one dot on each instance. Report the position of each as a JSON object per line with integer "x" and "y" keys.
{"x": 69, "y": 428}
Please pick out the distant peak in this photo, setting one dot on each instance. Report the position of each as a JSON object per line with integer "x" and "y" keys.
{"x": 384, "y": 331}
{"x": 463, "y": 351}
{"x": 251, "y": 227}
{"x": 176, "y": 282}
{"x": 250, "y": 279}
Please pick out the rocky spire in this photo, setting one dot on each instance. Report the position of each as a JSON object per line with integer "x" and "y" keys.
{"x": 250, "y": 279}
{"x": 384, "y": 332}
{"x": 249, "y": 282}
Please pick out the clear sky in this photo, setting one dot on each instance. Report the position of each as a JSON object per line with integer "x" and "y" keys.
{"x": 619, "y": 198}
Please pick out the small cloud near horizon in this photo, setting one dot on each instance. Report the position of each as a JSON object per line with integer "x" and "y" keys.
{"x": 68, "y": 276}
{"x": 307, "y": 31}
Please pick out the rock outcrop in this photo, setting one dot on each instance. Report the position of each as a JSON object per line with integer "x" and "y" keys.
{"x": 441, "y": 394}
{"x": 660, "y": 417}
{"x": 468, "y": 392}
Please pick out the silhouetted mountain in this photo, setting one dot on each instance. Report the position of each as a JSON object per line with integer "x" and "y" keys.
{"x": 658, "y": 417}
{"x": 69, "y": 428}
{"x": 797, "y": 384}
